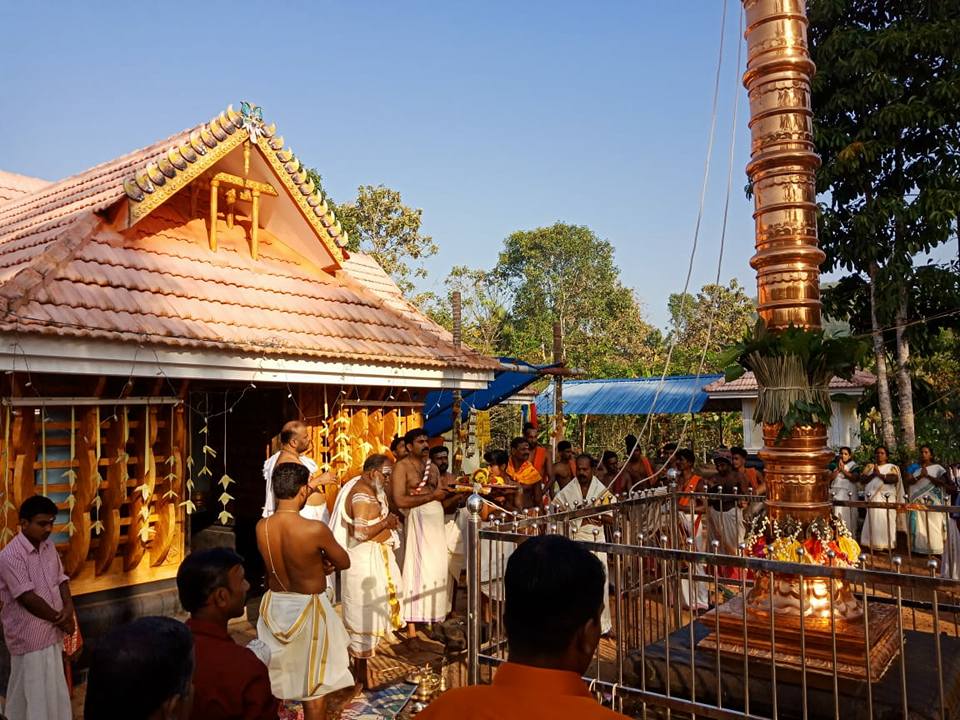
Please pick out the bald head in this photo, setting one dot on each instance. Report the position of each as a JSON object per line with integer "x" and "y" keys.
{"x": 294, "y": 436}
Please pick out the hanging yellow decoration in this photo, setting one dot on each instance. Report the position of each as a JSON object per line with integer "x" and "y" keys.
{"x": 171, "y": 460}
{"x": 70, "y": 474}
{"x": 145, "y": 489}
{"x": 8, "y": 506}
{"x": 97, "y": 526}
{"x": 43, "y": 448}
{"x": 225, "y": 481}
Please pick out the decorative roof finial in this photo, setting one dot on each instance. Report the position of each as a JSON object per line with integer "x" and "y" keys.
{"x": 252, "y": 120}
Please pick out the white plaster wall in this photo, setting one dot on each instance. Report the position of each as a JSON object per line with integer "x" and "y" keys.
{"x": 844, "y": 424}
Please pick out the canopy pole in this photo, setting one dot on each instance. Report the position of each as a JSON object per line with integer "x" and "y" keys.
{"x": 557, "y": 387}
{"x": 457, "y": 465}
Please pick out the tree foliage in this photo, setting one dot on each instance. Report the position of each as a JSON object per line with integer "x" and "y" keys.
{"x": 886, "y": 102}
{"x": 379, "y": 224}
{"x": 565, "y": 273}
{"x": 732, "y": 312}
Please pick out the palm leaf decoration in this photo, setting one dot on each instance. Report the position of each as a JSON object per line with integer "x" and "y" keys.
{"x": 793, "y": 369}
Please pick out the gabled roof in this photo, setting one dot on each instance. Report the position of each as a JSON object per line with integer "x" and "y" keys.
{"x": 747, "y": 385}
{"x": 13, "y": 185}
{"x": 152, "y": 175}
{"x": 81, "y": 258}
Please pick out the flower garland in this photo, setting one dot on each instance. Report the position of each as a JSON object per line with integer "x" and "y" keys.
{"x": 782, "y": 541}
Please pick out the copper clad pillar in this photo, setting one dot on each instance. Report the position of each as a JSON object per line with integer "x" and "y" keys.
{"x": 782, "y": 171}
{"x": 782, "y": 163}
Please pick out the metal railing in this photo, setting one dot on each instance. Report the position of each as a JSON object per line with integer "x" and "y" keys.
{"x": 660, "y": 660}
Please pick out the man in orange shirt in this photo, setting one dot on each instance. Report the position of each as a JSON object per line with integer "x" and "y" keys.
{"x": 551, "y": 643}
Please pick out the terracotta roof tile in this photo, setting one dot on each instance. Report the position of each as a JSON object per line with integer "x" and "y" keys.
{"x": 748, "y": 383}
{"x": 64, "y": 271}
{"x": 13, "y": 185}
{"x": 159, "y": 280}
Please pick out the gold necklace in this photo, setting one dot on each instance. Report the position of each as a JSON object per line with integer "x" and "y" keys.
{"x": 286, "y": 511}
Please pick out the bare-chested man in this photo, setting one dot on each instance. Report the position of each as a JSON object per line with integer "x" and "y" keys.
{"x": 296, "y": 616}
{"x": 637, "y": 472}
{"x": 418, "y": 493}
{"x": 564, "y": 469}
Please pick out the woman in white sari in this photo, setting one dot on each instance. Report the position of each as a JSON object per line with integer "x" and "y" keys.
{"x": 884, "y": 485}
{"x": 846, "y": 486}
{"x": 928, "y": 487}
{"x": 950, "y": 567}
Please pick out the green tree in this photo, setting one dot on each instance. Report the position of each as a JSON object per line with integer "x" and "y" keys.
{"x": 565, "y": 273}
{"x": 380, "y": 225}
{"x": 886, "y": 101}
{"x": 732, "y": 312}
{"x": 485, "y": 313}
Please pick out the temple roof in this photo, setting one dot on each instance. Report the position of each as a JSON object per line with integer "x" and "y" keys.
{"x": 81, "y": 258}
{"x": 13, "y": 185}
{"x": 747, "y": 384}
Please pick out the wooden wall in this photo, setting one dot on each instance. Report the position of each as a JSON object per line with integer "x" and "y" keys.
{"x": 117, "y": 474}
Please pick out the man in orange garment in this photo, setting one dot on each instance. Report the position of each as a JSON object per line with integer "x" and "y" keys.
{"x": 539, "y": 456}
{"x": 551, "y": 643}
{"x": 521, "y": 471}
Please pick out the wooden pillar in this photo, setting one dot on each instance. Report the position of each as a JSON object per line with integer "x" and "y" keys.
{"x": 214, "y": 189}
{"x": 255, "y": 224}
{"x": 558, "y": 360}
{"x": 456, "y": 410}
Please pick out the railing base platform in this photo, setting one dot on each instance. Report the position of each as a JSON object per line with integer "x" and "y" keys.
{"x": 851, "y": 649}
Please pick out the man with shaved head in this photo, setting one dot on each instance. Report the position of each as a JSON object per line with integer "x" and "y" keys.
{"x": 295, "y": 446}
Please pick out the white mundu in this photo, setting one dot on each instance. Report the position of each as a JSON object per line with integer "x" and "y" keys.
{"x": 880, "y": 528}
{"x": 308, "y": 645}
{"x": 928, "y": 529}
{"x": 425, "y": 564}
{"x": 843, "y": 488}
{"x": 372, "y": 583}
{"x": 571, "y": 494}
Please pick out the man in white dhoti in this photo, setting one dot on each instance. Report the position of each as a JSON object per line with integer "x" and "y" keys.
{"x": 883, "y": 486}
{"x": 691, "y": 512}
{"x": 846, "y": 487}
{"x": 928, "y": 486}
{"x": 417, "y": 491}
{"x": 37, "y": 612}
{"x": 587, "y": 489}
{"x": 363, "y": 524}
{"x": 725, "y": 516}
{"x": 307, "y": 640}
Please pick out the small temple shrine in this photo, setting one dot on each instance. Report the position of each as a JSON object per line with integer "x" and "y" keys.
{"x": 161, "y": 316}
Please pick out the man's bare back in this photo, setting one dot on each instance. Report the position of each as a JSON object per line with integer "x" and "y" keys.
{"x": 299, "y": 553}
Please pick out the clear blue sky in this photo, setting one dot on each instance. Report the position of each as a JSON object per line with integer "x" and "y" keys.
{"x": 490, "y": 116}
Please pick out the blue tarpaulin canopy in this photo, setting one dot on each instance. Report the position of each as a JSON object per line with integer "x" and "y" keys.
{"x": 678, "y": 394}
{"x": 438, "y": 406}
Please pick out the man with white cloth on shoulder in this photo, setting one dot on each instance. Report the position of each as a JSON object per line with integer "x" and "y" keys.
{"x": 362, "y": 523}
{"x": 295, "y": 446}
{"x": 307, "y": 640}
{"x": 928, "y": 486}
{"x": 417, "y": 492}
{"x": 585, "y": 488}
{"x": 883, "y": 486}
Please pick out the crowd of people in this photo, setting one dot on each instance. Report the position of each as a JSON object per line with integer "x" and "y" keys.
{"x": 394, "y": 541}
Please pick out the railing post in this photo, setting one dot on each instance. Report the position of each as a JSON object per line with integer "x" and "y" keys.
{"x": 474, "y": 505}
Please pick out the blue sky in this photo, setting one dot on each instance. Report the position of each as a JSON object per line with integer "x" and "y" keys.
{"x": 491, "y": 116}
